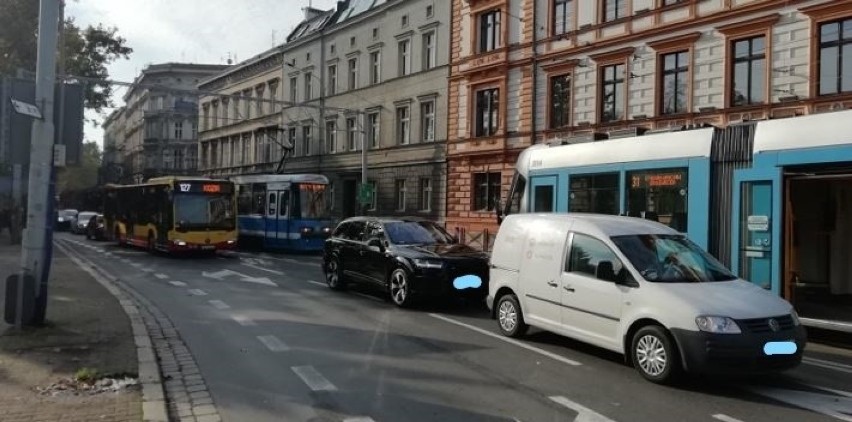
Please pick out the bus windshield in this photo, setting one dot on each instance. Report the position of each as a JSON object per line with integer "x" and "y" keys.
{"x": 193, "y": 211}
{"x": 312, "y": 201}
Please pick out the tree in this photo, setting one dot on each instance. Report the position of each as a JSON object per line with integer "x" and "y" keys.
{"x": 82, "y": 177}
{"x": 87, "y": 51}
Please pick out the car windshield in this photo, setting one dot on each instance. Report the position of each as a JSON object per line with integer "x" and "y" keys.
{"x": 417, "y": 233}
{"x": 204, "y": 211}
{"x": 85, "y": 216}
{"x": 68, "y": 213}
{"x": 671, "y": 259}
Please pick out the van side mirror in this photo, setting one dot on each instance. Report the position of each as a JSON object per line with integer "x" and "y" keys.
{"x": 376, "y": 243}
{"x": 605, "y": 271}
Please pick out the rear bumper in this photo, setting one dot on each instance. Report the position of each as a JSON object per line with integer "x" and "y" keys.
{"x": 737, "y": 353}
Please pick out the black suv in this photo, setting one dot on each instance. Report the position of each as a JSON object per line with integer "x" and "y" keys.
{"x": 409, "y": 258}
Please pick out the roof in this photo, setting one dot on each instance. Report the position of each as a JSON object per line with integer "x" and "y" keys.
{"x": 357, "y": 7}
{"x": 386, "y": 219}
{"x": 598, "y": 224}
{"x": 812, "y": 131}
{"x": 312, "y": 25}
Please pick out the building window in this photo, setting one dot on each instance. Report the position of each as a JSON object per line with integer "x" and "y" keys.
{"x": 225, "y": 120}
{"x": 429, "y": 53}
{"x": 308, "y": 56}
{"x": 353, "y": 73}
{"x": 291, "y": 139}
{"x": 400, "y": 194}
{"x": 332, "y": 79}
{"x": 352, "y": 41}
{"x": 612, "y": 93}
{"x": 563, "y": 19}
{"x": 247, "y": 103}
{"x": 404, "y": 57}
{"x": 403, "y": 125}
{"x": 309, "y": 92}
{"x": 307, "y": 135}
{"x": 331, "y": 136}
{"x": 671, "y": 2}
{"x": 675, "y": 74}
{"x": 489, "y": 31}
{"x": 332, "y": 49}
{"x": 375, "y": 67}
{"x": 487, "y": 112}
{"x": 179, "y": 130}
{"x": 835, "y": 57}
{"x": 749, "y": 71}
{"x": 614, "y": 9}
{"x": 597, "y": 193}
{"x": 373, "y": 127}
{"x": 404, "y": 21}
{"x": 293, "y": 84}
{"x": 351, "y": 134}
{"x": 427, "y": 121}
{"x": 375, "y": 33}
{"x": 486, "y": 195}
{"x": 560, "y": 101}
{"x": 235, "y": 103}
{"x": 430, "y": 11}
{"x": 374, "y": 200}
{"x": 425, "y": 194}
{"x": 194, "y": 130}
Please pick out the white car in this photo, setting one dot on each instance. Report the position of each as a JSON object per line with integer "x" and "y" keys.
{"x": 638, "y": 288}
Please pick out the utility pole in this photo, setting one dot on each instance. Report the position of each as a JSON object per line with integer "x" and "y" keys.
{"x": 35, "y": 259}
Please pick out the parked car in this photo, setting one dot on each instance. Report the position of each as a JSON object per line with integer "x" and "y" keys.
{"x": 408, "y": 258}
{"x": 95, "y": 228}
{"x": 65, "y": 219}
{"x": 82, "y": 221}
{"x": 638, "y": 288}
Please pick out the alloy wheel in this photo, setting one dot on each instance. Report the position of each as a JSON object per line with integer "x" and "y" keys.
{"x": 399, "y": 287}
{"x": 507, "y": 316}
{"x": 651, "y": 355}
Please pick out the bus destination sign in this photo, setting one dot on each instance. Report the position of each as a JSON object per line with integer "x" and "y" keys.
{"x": 203, "y": 187}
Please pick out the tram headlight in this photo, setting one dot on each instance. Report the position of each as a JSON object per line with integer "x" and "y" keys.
{"x": 307, "y": 230}
{"x": 326, "y": 230}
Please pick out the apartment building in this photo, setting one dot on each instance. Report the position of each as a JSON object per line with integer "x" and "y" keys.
{"x": 369, "y": 72}
{"x": 531, "y": 71}
{"x": 157, "y": 130}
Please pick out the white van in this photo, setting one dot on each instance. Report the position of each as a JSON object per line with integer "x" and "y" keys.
{"x": 638, "y": 288}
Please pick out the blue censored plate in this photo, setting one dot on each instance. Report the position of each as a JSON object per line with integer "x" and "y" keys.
{"x": 467, "y": 282}
{"x": 780, "y": 348}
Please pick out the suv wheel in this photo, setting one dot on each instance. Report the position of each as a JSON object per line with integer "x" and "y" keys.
{"x": 334, "y": 275}
{"x": 654, "y": 355}
{"x": 510, "y": 319}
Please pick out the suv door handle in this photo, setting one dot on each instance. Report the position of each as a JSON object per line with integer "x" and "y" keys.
{"x": 569, "y": 288}
{"x": 552, "y": 283}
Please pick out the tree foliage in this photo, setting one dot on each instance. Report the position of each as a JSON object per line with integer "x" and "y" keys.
{"x": 84, "y": 176}
{"x": 87, "y": 51}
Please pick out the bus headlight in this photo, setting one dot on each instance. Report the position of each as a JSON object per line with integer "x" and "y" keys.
{"x": 180, "y": 243}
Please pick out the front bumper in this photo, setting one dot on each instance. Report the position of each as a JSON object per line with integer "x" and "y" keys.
{"x": 439, "y": 283}
{"x": 737, "y": 353}
{"x": 207, "y": 247}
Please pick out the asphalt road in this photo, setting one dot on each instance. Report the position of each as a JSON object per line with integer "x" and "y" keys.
{"x": 274, "y": 343}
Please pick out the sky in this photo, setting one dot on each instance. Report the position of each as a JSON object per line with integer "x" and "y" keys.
{"x": 192, "y": 31}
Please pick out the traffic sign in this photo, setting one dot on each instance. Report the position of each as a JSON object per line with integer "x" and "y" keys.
{"x": 26, "y": 109}
{"x": 365, "y": 194}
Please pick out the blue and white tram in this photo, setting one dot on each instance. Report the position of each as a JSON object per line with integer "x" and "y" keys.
{"x": 283, "y": 211}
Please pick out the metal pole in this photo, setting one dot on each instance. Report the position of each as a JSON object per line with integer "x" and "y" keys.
{"x": 363, "y": 157}
{"x": 41, "y": 154}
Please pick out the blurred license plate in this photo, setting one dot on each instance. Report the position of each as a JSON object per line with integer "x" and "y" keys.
{"x": 207, "y": 247}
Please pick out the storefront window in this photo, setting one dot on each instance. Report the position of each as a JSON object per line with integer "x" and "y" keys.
{"x": 597, "y": 193}
{"x": 659, "y": 195}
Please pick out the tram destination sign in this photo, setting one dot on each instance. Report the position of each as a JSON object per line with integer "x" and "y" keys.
{"x": 656, "y": 180}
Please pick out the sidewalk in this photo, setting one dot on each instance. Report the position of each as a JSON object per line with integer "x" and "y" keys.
{"x": 86, "y": 328}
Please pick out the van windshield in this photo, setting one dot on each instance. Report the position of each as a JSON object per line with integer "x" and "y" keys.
{"x": 671, "y": 259}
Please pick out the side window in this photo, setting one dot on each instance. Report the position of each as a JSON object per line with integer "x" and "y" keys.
{"x": 258, "y": 192}
{"x": 375, "y": 230}
{"x": 341, "y": 231}
{"x": 586, "y": 253}
{"x": 356, "y": 231}
{"x": 271, "y": 204}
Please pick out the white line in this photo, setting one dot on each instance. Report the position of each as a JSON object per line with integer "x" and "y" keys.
{"x": 273, "y": 343}
{"x": 584, "y": 414}
{"x": 257, "y": 267}
{"x": 243, "y": 320}
{"x": 161, "y": 276}
{"x": 197, "y": 292}
{"x": 553, "y": 356}
{"x": 177, "y": 283}
{"x": 359, "y": 419}
{"x": 828, "y": 364}
{"x": 725, "y": 418}
{"x": 218, "y": 304}
{"x": 147, "y": 270}
{"x": 366, "y": 296}
{"x": 313, "y": 378}
{"x": 317, "y": 283}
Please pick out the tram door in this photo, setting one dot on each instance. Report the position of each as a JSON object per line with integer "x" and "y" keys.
{"x": 755, "y": 251}
{"x": 277, "y": 222}
{"x": 543, "y": 194}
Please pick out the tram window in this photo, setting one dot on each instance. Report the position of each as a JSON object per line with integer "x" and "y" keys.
{"x": 597, "y": 193}
{"x": 258, "y": 193}
{"x": 659, "y": 195}
{"x": 244, "y": 200}
{"x": 284, "y": 204}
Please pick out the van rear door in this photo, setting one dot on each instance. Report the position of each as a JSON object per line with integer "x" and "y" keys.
{"x": 541, "y": 263}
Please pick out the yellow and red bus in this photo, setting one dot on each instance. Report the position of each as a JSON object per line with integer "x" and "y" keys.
{"x": 173, "y": 214}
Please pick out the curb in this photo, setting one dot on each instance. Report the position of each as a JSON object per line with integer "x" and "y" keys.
{"x": 153, "y": 397}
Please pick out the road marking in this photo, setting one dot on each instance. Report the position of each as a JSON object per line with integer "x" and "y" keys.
{"x": 161, "y": 276}
{"x": 584, "y": 414}
{"x": 838, "y": 392}
{"x": 136, "y": 264}
{"x": 273, "y": 343}
{"x": 838, "y": 407}
{"x": 257, "y": 267}
{"x": 725, "y": 418}
{"x": 317, "y": 283}
{"x": 177, "y": 283}
{"x": 218, "y": 304}
{"x": 313, "y": 378}
{"x": 243, "y": 320}
{"x": 147, "y": 270}
{"x": 359, "y": 419}
{"x": 827, "y": 364}
{"x": 543, "y": 352}
{"x": 197, "y": 292}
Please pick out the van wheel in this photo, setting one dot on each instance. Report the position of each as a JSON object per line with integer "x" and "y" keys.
{"x": 510, "y": 319}
{"x": 655, "y": 356}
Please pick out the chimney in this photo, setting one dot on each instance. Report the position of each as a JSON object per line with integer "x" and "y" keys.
{"x": 311, "y": 13}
